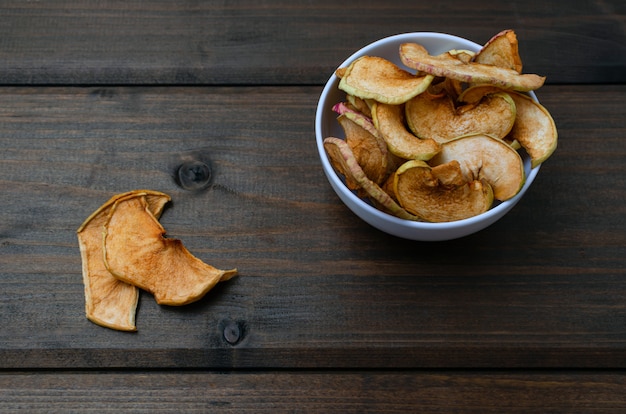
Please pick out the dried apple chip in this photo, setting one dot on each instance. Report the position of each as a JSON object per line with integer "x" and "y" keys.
{"x": 136, "y": 252}
{"x": 440, "y": 196}
{"x": 483, "y": 157}
{"x": 109, "y": 302}
{"x": 534, "y": 129}
{"x": 389, "y": 120}
{"x": 364, "y": 121}
{"x": 416, "y": 56}
{"x": 370, "y": 151}
{"x": 371, "y": 77}
{"x": 501, "y": 50}
{"x": 345, "y": 163}
{"x": 437, "y": 117}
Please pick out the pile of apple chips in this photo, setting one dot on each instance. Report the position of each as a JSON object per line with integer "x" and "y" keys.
{"x": 440, "y": 143}
{"x": 123, "y": 248}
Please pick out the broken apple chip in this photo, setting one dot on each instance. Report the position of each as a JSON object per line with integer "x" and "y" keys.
{"x": 438, "y": 117}
{"x": 110, "y": 302}
{"x": 440, "y": 196}
{"x": 483, "y": 157}
{"x": 371, "y": 77}
{"x": 345, "y": 163}
{"x": 136, "y": 252}
{"x": 501, "y": 50}
{"x": 389, "y": 120}
{"x": 446, "y": 65}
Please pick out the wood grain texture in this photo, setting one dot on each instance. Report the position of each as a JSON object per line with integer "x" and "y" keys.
{"x": 318, "y": 288}
{"x": 286, "y": 42}
{"x": 313, "y": 392}
{"x": 328, "y": 314}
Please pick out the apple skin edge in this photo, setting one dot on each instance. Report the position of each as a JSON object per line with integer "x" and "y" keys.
{"x": 416, "y": 57}
{"x": 345, "y": 163}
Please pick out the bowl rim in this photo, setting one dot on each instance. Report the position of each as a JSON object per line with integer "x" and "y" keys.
{"x": 330, "y": 86}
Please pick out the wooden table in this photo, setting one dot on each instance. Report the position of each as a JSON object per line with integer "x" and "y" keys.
{"x": 328, "y": 314}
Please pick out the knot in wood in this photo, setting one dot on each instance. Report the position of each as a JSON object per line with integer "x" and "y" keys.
{"x": 232, "y": 332}
{"x": 194, "y": 175}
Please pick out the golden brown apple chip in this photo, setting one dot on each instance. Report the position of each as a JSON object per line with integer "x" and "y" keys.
{"x": 390, "y": 121}
{"x": 370, "y": 151}
{"x": 446, "y": 65}
{"x": 438, "y": 118}
{"x": 534, "y": 129}
{"x": 110, "y": 302}
{"x": 372, "y": 77}
{"x": 136, "y": 252}
{"x": 501, "y": 50}
{"x": 483, "y": 157}
{"x": 440, "y": 196}
{"x": 343, "y": 160}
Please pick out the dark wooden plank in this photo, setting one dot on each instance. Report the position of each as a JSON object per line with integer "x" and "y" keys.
{"x": 544, "y": 287}
{"x": 314, "y": 392}
{"x": 286, "y": 42}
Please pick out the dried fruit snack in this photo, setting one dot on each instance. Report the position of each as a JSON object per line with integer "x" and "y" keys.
{"x": 371, "y": 77}
{"x": 140, "y": 257}
{"x": 110, "y": 302}
{"x": 474, "y": 111}
{"x": 136, "y": 252}
{"x": 448, "y": 66}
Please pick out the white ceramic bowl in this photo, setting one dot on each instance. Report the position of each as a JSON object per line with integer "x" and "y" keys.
{"x": 326, "y": 125}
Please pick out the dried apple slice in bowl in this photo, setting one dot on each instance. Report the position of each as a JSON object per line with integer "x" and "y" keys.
{"x": 439, "y": 118}
{"x": 326, "y": 125}
{"x": 534, "y": 128}
{"x": 440, "y": 196}
{"x": 373, "y": 77}
{"x": 484, "y": 157}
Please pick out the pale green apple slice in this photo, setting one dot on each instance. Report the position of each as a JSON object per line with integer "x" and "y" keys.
{"x": 483, "y": 157}
{"x": 344, "y": 163}
{"x": 437, "y": 117}
{"x": 534, "y": 129}
{"x": 415, "y": 56}
{"x": 423, "y": 191}
{"x": 372, "y": 77}
{"x": 389, "y": 120}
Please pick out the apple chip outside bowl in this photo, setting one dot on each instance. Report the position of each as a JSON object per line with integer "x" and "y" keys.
{"x": 327, "y": 125}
